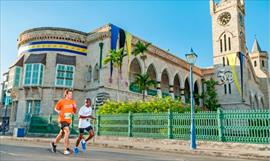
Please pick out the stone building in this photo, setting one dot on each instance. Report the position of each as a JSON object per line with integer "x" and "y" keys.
{"x": 53, "y": 59}
{"x": 243, "y": 77}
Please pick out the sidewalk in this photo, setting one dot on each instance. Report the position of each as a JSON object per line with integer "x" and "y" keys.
{"x": 232, "y": 150}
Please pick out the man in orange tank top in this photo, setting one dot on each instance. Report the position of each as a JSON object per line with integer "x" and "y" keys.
{"x": 65, "y": 108}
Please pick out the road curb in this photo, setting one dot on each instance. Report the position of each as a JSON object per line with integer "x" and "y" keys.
{"x": 251, "y": 151}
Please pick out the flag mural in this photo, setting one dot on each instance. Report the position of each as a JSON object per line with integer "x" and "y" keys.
{"x": 114, "y": 38}
{"x": 124, "y": 40}
{"x": 232, "y": 61}
{"x": 128, "y": 46}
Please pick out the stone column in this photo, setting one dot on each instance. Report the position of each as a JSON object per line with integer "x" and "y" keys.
{"x": 171, "y": 91}
{"x": 182, "y": 92}
{"x": 159, "y": 93}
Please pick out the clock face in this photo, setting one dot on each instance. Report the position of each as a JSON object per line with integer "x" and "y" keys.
{"x": 224, "y": 18}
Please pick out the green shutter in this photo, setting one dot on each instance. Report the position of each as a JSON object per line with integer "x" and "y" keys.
{"x": 41, "y": 74}
{"x": 17, "y": 76}
{"x": 36, "y": 107}
{"x": 27, "y": 76}
{"x": 35, "y": 74}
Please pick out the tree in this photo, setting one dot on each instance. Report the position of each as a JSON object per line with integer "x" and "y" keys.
{"x": 209, "y": 97}
{"x": 143, "y": 82}
{"x": 116, "y": 57}
{"x": 140, "y": 49}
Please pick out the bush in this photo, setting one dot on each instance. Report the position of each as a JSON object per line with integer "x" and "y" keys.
{"x": 154, "y": 105}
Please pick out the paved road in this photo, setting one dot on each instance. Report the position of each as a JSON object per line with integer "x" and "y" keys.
{"x": 14, "y": 150}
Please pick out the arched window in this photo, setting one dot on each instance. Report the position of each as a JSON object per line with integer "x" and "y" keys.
{"x": 230, "y": 91}
{"x": 225, "y": 45}
{"x": 229, "y": 40}
{"x": 89, "y": 74}
{"x": 225, "y": 89}
{"x": 220, "y": 41}
{"x": 255, "y": 63}
{"x": 96, "y": 73}
{"x": 262, "y": 63}
{"x": 223, "y": 61}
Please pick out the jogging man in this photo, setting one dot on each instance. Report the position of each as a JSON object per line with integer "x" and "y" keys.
{"x": 65, "y": 108}
{"x": 85, "y": 115}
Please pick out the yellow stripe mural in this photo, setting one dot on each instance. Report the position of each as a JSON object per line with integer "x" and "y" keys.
{"x": 232, "y": 60}
{"x": 51, "y": 46}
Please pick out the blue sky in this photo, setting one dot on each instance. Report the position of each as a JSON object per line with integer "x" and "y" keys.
{"x": 174, "y": 25}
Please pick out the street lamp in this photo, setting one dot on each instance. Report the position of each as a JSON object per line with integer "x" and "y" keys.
{"x": 191, "y": 59}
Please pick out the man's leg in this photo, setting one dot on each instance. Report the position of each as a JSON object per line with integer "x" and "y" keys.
{"x": 80, "y": 137}
{"x": 90, "y": 134}
{"x": 56, "y": 140}
{"x": 59, "y": 136}
{"x": 66, "y": 137}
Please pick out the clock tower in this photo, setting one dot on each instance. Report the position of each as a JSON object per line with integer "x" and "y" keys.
{"x": 228, "y": 39}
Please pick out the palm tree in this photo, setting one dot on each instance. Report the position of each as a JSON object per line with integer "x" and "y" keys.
{"x": 143, "y": 82}
{"x": 116, "y": 57}
{"x": 140, "y": 49}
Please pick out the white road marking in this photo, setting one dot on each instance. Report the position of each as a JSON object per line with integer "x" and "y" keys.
{"x": 12, "y": 154}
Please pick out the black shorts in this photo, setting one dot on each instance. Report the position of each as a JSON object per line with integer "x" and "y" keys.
{"x": 64, "y": 124}
{"x": 81, "y": 130}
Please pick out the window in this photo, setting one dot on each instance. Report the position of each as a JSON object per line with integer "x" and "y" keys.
{"x": 223, "y": 61}
{"x": 32, "y": 107}
{"x": 64, "y": 75}
{"x": 225, "y": 89}
{"x": 262, "y": 63}
{"x": 220, "y": 41}
{"x": 229, "y": 40}
{"x": 225, "y": 45}
{"x": 36, "y": 107}
{"x": 89, "y": 74}
{"x": 96, "y": 73}
{"x": 33, "y": 74}
{"x": 228, "y": 63}
{"x": 230, "y": 91}
{"x": 17, "y": 76}
{"x": 255, "y": 63}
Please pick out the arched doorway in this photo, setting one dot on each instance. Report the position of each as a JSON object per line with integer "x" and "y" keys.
{"x": 176, "y": 87}
{"x": 187, "y": 91}
{"x": 196, "y": 93}
{"x": 151, "y": 71}
{"x": 164, "y": 84}
{"x": 134, "y": 69}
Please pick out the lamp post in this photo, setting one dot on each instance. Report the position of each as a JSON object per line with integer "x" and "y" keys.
{"x": 191, "y": 59}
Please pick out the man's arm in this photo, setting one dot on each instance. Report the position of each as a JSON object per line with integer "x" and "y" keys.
{"x": 85, "y": 117}
{"x": 57, "y": 107}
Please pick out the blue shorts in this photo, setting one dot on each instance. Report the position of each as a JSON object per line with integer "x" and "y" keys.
{"x": 81, "y": 130}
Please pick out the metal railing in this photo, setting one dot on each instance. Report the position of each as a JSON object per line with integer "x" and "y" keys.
{"x": 246, "y": 126}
